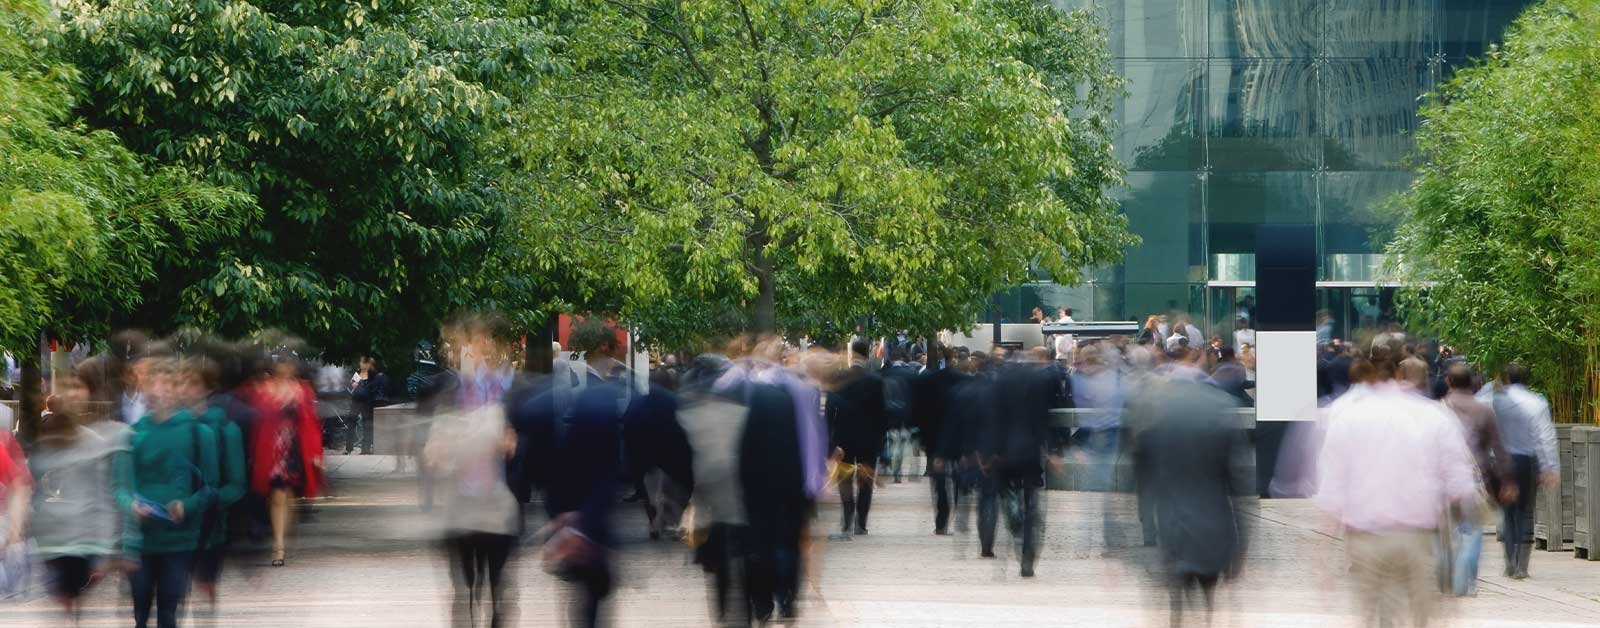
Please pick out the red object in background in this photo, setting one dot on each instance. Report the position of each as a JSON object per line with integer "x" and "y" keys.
{"x": 565, "y": 323}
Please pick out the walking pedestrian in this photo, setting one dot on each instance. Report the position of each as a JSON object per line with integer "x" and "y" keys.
{"x": 166, "y": 485}
{"x": 1530, "y": 439}
{"x": 1184, "y": 455}
{"x": 1391, "y": 462}
{"x": 1012, "y": 452}
{"x": 286, "y": 444}
{"x": 1494, "y": 472}
{"x": 858, "y": 425}
{"x": 75, "y": 523}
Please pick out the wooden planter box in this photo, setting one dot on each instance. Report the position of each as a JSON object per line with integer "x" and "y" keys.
{"x": 1555, "y": 510}
{"x": 1586, "y": 492}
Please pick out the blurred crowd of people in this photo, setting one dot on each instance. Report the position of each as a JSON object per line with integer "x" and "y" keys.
{"x": 161, "y": 458}
{"x": 152, "y": 457}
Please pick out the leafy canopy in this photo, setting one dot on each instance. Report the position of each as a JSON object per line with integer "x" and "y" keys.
{"x": 84, "y": 224}
{"x": 798, "y": 164}
{"x": 358, "y": 128}
{"x": 1502, "y": 223}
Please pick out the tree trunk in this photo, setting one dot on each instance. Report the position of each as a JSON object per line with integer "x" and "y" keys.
{"x": 539, "y": 357}
{"x": 31, "y": 395}
{"x": 765, "y": 316}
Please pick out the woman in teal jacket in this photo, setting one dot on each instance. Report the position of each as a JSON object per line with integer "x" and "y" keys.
{"x": 166, "y": 487}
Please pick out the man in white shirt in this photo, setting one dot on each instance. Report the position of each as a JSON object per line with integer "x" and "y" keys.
{"x": 1391, "y": 462}
{"x": 1066, "y": 346}
{"x": 1243, "y": 334}
{"x": 1523, "y": 417}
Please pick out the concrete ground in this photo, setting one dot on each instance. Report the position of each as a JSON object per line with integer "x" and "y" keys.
{"x": 367, "y": 560}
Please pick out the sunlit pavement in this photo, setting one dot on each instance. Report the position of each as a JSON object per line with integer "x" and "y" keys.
{"x": 366, "y": 560}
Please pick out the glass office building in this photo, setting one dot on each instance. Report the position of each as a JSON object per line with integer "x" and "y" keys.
{"x": 1245, "y": 112}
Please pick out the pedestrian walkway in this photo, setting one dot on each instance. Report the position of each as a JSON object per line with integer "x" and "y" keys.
{"x": 365, "y": 561}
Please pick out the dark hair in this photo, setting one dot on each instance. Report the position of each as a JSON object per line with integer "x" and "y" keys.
{"x": 1459, "y": 377}
{"x": 1516, "y": 373}
{"x": 860, "y": 347}
{"x": 1225, "y": 354}
{"x": 95, "y": 373}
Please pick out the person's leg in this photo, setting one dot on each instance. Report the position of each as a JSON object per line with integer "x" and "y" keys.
{"x": 864, "y": 485}
{"x": 463, "y": 577}
{"x": 367, "y": 416}
{"x": 760, "y": 574}
{"x": 172, "y": 586}
{"x": 988, "y": 514}
{"x": 786, "y": 561}
{"x": 496, "y": 552}
{"x": 1177, "y": 592}
{"x": 1208, "y": 589}
{"x": 1417, "y": 564}
{"x": 939, "y": 482}
{"x": 594, "y": 585}
{"x": 1520, "y": 532}
{"x": 1028, "y": 511}
{"x": 1468, "y": 545}
{"x": 1365, "y": 553}
{"x": 847, "y": 497}
{"x": 281, "y": 519}
{"x": 142, "y": 584}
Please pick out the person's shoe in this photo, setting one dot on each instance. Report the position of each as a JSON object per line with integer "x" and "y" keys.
{"x": 1027, "y": 572}
{"x": 277, "y": 558}
{"x": 861, "y": 530}
{"x": 655, "y": 536}
{"x": 987, "y": 554}
{"x": 367, "y": 451}
{"x": 941, "y": 532}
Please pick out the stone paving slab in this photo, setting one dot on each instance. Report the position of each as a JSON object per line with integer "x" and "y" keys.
{"x": 367, "y": 560}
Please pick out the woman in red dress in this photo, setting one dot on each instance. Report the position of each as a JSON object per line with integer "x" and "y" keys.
{"x": 285, "y": 446}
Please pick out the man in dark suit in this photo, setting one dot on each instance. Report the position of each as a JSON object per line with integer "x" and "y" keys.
{"x": 569, "y": 446}
{"x": 1185, "y": 461}
{"x": 857, "y": 425}
{"x": 1013, "y": 451}
{"x": 930, "y": 396}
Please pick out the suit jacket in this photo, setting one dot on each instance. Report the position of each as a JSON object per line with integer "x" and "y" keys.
{"x": 856, "y": 416}
{"x": 1184, "y": 460}
{"x": 1019, "y": 429}
{"x": 930, "y": 401}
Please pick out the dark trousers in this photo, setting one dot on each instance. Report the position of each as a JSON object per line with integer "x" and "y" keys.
{"x": 1180, "y": 585}
{"x": 1516, "y": 526}
{"x": 358, "y": 430}
{"x": 940, "y": 481}
{"x": 855, "y": 495}
{"x": 594, "y": 585}
{"x": 163, "y": 579}
{"x": 772, "y": 557}
{"x": 722, "y": 557}
{"x": 1020, "y": 499}
{"x": 478, "y": 562}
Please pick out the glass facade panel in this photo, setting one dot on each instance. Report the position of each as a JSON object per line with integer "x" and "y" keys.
{"x": 1355, "y": 216}
{"x": 1241, "y": 113}
{"x": 1369, "y": 111}
{"x": 1266, "y": 28}
{"x": 1467, "y": 27}
{"x": 1163, "y": 125}
{"x": 1164, "y": 208}
{"x": 1238, "y": 203}
{"x": 1387, "y": 29}
{"x": 1263, "y": 115}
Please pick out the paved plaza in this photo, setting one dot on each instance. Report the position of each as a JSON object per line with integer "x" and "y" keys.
{"x": 366, "y": 561}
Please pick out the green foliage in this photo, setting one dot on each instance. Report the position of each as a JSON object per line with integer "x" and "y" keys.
{"x": 798, "y": 164}
{"x": 360, "y": 130}
{"x": 1502, "y": 224}
{"x": 83, "y": 224}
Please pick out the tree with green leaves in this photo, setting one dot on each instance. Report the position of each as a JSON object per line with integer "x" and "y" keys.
{"x": 86, "y": 228}
{"x": 799, "y": 164}
{"x": 360, "y": 129}
{"x": 1501, "y": 228}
